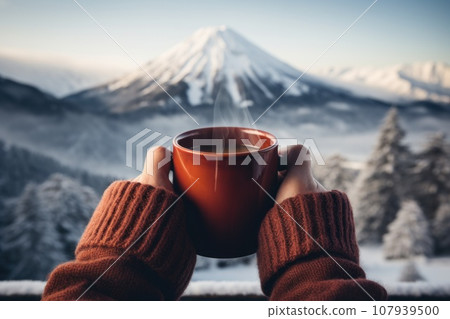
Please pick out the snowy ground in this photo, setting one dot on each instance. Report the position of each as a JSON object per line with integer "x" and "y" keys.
{"x": 244, "y": 280}
{"x": 435, "y": 270}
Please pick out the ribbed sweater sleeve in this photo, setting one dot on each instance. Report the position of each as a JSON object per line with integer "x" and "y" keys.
{"x": 307, "y": 250}
{"x": 135, "y": 247}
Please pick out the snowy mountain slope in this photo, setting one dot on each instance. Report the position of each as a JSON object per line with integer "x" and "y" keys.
{"x": 218, "y": 58}
{"x": 194, "y": 70}
{"x": 26, "y": 98}
{"x": 58, "y": 78}
{"x": 403, "y": 82}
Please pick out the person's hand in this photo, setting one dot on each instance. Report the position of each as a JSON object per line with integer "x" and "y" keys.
{"x": 298, "y": 177}
{"x": 287, "y": 254}
{"x": 154, "y": 173}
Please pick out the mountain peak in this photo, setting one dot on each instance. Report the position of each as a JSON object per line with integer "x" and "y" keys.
{"x": 213, "y": 30}
{"x": 221, "y": 37}
{"x": 212, "y": 59}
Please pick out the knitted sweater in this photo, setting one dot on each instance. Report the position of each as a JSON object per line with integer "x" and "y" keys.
{"x": 136, "y": 247}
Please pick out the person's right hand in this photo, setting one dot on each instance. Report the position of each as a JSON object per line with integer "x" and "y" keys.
{"x": 298, "y": 177}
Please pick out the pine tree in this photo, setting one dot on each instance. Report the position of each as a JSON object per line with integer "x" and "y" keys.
{"x": 410, "y": 273}
{"x": 71, "y": 206}
{"x": 409, "y": 234}
{"x": 47, "y": 223}
{"x": 334, "y": 175}
{"x": 432, "y": 175}
{"x": 381, "y": 183}
{"x": 441, "y": 228}
{"x": 30, "y": 244}
{"x": 7, "y": 207}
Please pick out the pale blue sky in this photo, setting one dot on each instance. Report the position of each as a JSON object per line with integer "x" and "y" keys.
{"x": 393, "y": 31}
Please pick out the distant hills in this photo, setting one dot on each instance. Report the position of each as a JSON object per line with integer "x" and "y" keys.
{"x": 58, "y": 77}
{"x": 404, "y": 82}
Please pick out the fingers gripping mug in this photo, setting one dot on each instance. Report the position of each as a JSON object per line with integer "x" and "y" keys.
{"x": 226, "y": 172}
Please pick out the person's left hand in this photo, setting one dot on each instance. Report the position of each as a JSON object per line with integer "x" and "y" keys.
{"x": 151, "y": 174}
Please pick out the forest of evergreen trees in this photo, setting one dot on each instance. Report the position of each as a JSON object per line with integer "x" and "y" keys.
{"x": 44, "y": 207}
{"x": 400, "y": 198}
{"x": 399, "y": 193}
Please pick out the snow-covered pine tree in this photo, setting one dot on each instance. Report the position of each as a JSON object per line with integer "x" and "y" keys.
{"x": 71, "y": 205}
{"x": 409, "y": 234}
{"x": 432, "y": 175}
{"x": 7, "y": 207}
{"x": 30, "y": 243}
{"x": 334, "y": 175}
{"x": 380, "y": 185}
{"x": 47, "y": 223}
{"x": 410, "y": 273}
{"x": 441, "y": 228}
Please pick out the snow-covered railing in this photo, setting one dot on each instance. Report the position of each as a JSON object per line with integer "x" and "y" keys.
{"x": 21, "y": 288}
{"x": 195, "y": 288}
{"x": 223, "y": 288}
{"x": 206, "y": 289}
{"x": 417, "y": 289}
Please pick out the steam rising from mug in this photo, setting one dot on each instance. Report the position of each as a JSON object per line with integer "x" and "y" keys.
{"x": 229, "y": 113}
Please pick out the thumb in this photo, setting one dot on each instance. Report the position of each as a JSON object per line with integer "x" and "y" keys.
{"x": 156, "y": 168}
{"x": 157, "y": 162}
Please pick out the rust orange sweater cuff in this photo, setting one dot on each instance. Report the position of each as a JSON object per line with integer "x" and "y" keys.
{"x": 147, "y": 226}
{"x": 146, "y": 218}
{"x": 289, "y": 240}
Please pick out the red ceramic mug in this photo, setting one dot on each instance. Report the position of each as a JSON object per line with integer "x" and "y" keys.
{"x": 224, "y": 202}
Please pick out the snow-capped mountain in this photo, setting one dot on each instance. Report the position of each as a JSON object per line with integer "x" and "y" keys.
{"x": 58, "y": 78}
{"x": 193, "y": 71}
{"x": 403, "y": 82}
